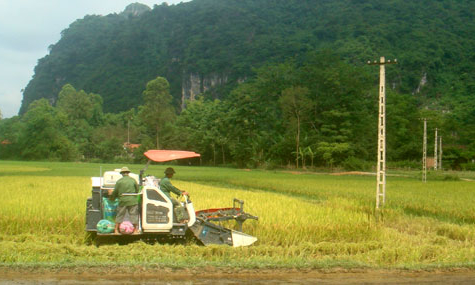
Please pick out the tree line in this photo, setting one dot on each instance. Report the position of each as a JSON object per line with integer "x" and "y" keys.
{"x": 317, "y": 112}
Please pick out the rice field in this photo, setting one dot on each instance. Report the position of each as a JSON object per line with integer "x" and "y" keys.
{"x": 306, "y": 220}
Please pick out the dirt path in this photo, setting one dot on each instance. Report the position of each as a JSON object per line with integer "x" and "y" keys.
{"x": 209, "y": 276}
{"x": 359, "y": 173}
{"x": 353, "y": 173}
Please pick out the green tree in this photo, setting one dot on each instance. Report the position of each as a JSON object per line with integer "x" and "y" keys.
{"x": 404, "y": 128}
{"x": 157, "y": 110}
{"x": 253, "y": 116}
{"x": 296, "y": 107}
{"x": 109, "y": 148}
{"x": 251, "y": 122}
{"x": 10, "y": 132}
{"x": 311, "y": 153}
{"x": 333, "y": 152}
{"x": 192, "y": 125}
{"x": 78, "y": 113}
{"x": 41, "y": 137}
{"x": 203, "y": 126}
{"x": 76, "y": 105}
{"x": 80, "y": 106}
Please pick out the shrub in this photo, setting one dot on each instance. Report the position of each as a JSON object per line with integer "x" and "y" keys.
{"x": 404, "y": 164}
{"x": 353, "y": 163}
{"x": 468, "y": 166}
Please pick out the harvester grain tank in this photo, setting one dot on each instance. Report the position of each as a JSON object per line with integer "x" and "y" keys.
{"x": 157, "y": 218}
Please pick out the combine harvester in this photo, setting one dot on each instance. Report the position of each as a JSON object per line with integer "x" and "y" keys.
{"x": 157, "y": 221}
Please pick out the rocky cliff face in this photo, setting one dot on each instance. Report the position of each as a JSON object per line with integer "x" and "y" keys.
{"x": 135, "y": 9}
{"x": 421, "y": 83}
{"x": 194, "y": 84}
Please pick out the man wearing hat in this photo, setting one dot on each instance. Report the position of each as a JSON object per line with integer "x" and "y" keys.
{"x": 167, "y": 187}
{"x": 127, "y": 203}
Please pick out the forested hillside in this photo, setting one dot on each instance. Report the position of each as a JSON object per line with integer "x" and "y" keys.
{"x": 291, "y": 79}
{"x": 207, "y": 42}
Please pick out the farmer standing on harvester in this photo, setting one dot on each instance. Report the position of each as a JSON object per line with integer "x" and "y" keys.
{"x": 167, "y": 187}
{"x": 127, "y": 203}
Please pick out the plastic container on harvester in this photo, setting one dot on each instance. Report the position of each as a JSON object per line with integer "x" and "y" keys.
{"x": 110, "y": 178}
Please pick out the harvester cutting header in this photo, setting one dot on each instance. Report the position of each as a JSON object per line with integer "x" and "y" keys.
{"x": 160, "y": 216}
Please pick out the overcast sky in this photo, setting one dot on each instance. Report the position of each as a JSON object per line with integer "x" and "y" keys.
{"x": 28, "y": 27}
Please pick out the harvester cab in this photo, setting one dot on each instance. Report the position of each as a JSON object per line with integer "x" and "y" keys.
{"x": 157, "y": 212}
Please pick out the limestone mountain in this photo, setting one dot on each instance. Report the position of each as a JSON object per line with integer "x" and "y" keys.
{"x": 135, "y": 9}
{"x": 211, "y": 45}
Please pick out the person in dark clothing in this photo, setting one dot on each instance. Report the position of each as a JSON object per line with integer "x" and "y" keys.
{"x": 167, "y": 188}
{"x": 125, "y": 189}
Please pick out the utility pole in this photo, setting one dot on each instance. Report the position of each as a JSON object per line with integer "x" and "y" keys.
{"x": 128, "y": 133}
{"x": 381, "y": 165}
{"x": 424, "y": 153}
{"x": 435, "y": 150}
{"x": 440, "y": 154}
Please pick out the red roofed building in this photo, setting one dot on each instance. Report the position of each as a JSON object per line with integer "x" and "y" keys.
{"x": 131, "y": 146}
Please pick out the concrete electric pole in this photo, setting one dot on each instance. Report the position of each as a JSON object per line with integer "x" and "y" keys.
{"x": 128, "y": 133}
{"x": 424, "y": 153}
{"x": 381, "y": 166}
{"x": 435, "y": 150}
{"x": 440, "y": 154}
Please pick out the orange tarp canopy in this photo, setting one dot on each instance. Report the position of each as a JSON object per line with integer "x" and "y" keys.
{"x": 168, "y": 155}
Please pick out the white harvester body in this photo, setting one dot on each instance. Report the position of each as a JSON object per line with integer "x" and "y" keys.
{"x": 157, "y": 212}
